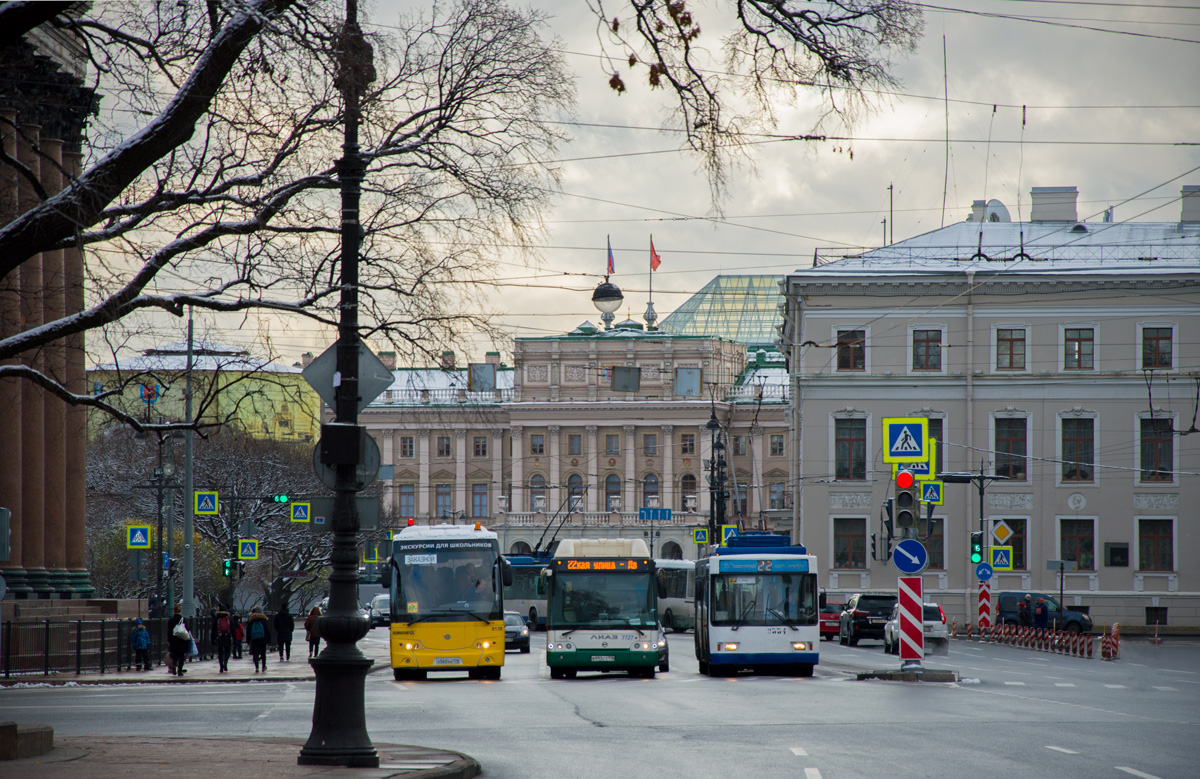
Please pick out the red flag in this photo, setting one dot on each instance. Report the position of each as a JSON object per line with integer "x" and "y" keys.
{"x": 611, "y": 265}
{"x": 655, "y": 260}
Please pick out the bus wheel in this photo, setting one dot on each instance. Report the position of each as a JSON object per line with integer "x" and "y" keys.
{"x": 491, "y": 673}
{"x": 668, "y": 621}
{"x": 806, "y": 669}
{"x": 704, "y": 668}
{"x": 533, "y": 623}
{"x": 569, "y": 673}
{"x": 664, "y": 666}
{"x": 556, "y": 673}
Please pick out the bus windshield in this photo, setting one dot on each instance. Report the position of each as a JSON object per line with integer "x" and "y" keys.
{"x": 446, "y": 580}
{"x": 603, "y": 600}
{"x": 764, "y": 599}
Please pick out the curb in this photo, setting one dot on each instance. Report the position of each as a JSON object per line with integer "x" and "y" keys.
{"x": 927, "y": 675}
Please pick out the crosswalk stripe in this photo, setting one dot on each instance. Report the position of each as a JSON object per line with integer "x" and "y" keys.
{"x": 1062, "y": 749}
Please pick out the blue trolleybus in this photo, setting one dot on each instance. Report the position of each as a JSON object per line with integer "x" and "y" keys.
{"x": 757, "y": 607}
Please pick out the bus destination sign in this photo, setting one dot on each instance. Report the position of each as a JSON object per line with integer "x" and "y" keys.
{"x": 602, "y": 565}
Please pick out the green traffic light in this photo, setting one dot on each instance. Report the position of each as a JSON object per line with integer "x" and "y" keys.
{"x": 280, "y": 498}
{"x": 976, "y": 548}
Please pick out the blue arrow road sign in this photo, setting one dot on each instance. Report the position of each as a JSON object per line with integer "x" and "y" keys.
{"x": 983, "y": 572}
{"x": 910, "y": 556}
{"x": 654, "y": 515}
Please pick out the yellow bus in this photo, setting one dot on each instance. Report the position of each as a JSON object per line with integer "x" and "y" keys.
{"x": 447, "y": 601}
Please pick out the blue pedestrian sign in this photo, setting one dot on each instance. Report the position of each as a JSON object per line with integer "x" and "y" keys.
{"x": 700, "y": 535}
{"x": 728, "y": 532}
{"x": 654, "y": 515}
{"x": 137, "y": 537}
{"x": 931, "y": 492}
{"x": 1002, "y": 558}
{"x": 910, "y": 556}
{"x": 247, "y": 549}
{"x": 906, "y": 440}
{"x": 983, "y": 572}
{"x": 301, "y": 512}
{"x": 206, "y": 502}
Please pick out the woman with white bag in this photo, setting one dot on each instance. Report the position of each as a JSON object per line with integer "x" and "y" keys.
{"x": 179, "y": 642}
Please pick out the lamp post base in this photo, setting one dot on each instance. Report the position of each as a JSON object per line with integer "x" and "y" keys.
{"x": 339, "y": 733}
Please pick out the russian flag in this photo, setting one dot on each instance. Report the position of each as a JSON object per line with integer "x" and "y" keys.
{"x": 611, "y": 269}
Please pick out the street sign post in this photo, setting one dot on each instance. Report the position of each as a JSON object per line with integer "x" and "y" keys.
{"x": 985, "y": 605}
{"x": 1001, "y": 531}
{"x": 321, "y": 513}
{"x": 727, "y": 531}
{"x": 207, "y": 502}
{"x": 906, "y": 440}
{"x": 910, "y": 556}
{"x": 364, "y": 473}
{"x": 923, "y": 471}
{"x": 137, "y": 537}
{"x": 654, "y": 515}
{"x": 912, "y": 621}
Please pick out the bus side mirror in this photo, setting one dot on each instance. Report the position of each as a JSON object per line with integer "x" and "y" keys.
{"x": 822, "y": 599}
{"x": 506, "y": 576}
{"x": 385, "y": 574}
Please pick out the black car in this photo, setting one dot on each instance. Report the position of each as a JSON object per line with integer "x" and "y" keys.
{"x": 864, "y": 617}
{"x": 516, "y": 632}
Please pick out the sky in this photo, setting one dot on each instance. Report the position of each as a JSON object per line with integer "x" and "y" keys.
{"x": 1097, "y": 95}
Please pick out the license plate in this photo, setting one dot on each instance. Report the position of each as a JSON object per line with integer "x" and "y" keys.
{"x": 447, "y": 661}
{"x": 877, "y": 620}
{"x": 603, "y": 658}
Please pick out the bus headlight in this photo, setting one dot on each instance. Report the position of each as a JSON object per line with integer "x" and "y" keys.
{"x": 411, "y": 645}
{"x": 731, "y": 647}
{"x": 799, "y": 645}
{"x": 482, "y": 644}
{"x": 565, "y": 647}
{"x": 643, "y": 646}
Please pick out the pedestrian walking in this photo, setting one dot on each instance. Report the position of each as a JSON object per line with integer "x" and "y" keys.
{"x": 311, "y": 633}
{"x": 258, "y": 633}
{"x": 139, "y": 639}
{"x": 223, "y": 639}
{"x": 239, "y": 635}
{"x": 1024, "y": 618}
{"x": 285, "y": 626}
{"x": 1041, "y": 614}
{"x": 179, "y": 641}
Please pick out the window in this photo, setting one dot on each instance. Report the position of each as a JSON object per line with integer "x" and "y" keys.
{"x": 574, "y": 445}
{"x": 1156, "y": 347}
{"x": 479, "y": 500}
{"x": 537, "y": 444}
{"x": 444, "y": 500}
{"x": 777, "y": 446}
{"x": 935, "y": 544}
{"x": 537, "y": 489}
{"x": 1078, "y": 348}
{"x": 612, "y": 492}
{"x": 850, "y": 448}
{"x": 1078, "y": 543}
{"x": 851, "y": 350}
{"x": 612, "y": 444}
{"x": 778, "y": 496}
{"x": 927, "y": 350}
{"x": 575, "y": 492}
{"x": 407, "y": 449}
{"x": 443, "y": 446}
{"x": 650, "y": 491}
{"x": 1010, "y": 448}
{"x": 849, "y": 543}
{"x": 1156, "y": 549}
{"x": 687, "y": 443}
{"x": 936, "y": 434}
{"x": 650, "y": 444}
{"x": 1078, "y": 449}
{"x": 739, "y": 444}
{"x": 1158, "y": 451}
{"x": 1017, "y": 541}
{"x": 1010, "y": 349}
{"x": 687, "y": 486}
{"x": 738, "y": 494}
{"x": 406, "y": 500}
{"x": 481, "y": 446}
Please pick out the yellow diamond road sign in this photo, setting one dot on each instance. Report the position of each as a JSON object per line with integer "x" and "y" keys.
{"x": 1001, "y": 531}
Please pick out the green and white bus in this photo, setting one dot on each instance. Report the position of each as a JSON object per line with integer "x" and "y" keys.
{"x": 602, "y": 601}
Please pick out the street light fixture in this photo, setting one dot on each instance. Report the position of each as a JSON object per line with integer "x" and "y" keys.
{"x": 607, "y": 298}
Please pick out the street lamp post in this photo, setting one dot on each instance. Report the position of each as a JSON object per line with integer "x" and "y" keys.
{"x": 716, "y": 479}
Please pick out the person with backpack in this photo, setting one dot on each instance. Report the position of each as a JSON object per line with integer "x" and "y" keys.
{"x": 223, "y": 638}
{"x": 256, "y": 631}
{"x": 139, "y": 639}
{"x": 311, "y": 633}
{"x": 239, "y": 635}
{"x": 285, "y": 626}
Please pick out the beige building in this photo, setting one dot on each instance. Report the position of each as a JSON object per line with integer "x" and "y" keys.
{"x": 1062, "y": 354}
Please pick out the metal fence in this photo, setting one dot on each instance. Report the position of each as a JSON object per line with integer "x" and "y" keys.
{"x": 61, "y": 646}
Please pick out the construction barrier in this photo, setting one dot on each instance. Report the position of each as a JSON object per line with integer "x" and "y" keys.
{"x": 1110, "y": 645}
{"x": 1058, "y": 641}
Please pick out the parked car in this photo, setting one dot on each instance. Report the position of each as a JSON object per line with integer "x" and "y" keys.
{"x": 516, "y": 632}
{"x": 380, "y": 610}
{"x": 1070, "y": 621}
{"x": 933, "y": 619}
{"x": 864, "y": 617}
{"x": 830, "y": 615}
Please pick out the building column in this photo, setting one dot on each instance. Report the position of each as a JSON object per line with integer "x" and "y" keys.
{"x": 519, "y": 500}
{"x": 556, "y": 489}
{"x": 755, "y": 503}
{"x": 497, "y": 445}
{"x": 667, "y": 485}
{"x": 460, "y": 471}
{"x": 423, "y": 474}
{"x": 76, "y": 438}
{"x": 592, "y": 461}
{"x": 388, "y": 456}
{"x": 10, "y": 389}
{"x": 630, "y": 485}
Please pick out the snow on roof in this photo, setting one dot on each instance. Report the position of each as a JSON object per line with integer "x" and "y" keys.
{"x": 206, "y": 357}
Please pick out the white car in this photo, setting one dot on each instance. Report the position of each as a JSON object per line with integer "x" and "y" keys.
{"x": 934, "y": 620}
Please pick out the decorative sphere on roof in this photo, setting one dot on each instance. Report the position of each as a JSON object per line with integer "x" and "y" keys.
{"x": 607, "y": 297}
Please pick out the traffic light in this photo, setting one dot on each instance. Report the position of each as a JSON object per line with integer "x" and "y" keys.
{"x": 907, "y": 500}
{"x": 241, "y": 564}
{"x": 976, "y": 548}
{"x": 278, "y": 499}
{"x": 227, "y": 564}
{"x": 874, "y": 556}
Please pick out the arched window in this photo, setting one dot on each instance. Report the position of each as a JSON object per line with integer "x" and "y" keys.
{"x": 537, "y": 489}
{"x": 671, "y": 551}
{"x": 575, "y": 492}
{"x": 612, "y": 489}
{"x": 520, "y": 547}
{"x": 650, "y": 491}
{"x": 687, "y": 492}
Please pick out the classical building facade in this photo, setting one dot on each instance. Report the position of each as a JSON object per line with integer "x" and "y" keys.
{"x": 1063, "y": 355}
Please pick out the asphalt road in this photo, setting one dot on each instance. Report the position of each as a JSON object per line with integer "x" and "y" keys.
{"x": 1017, "y": 713}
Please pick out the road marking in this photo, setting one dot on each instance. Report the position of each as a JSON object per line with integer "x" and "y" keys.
{"x": 815, "y": 773}
{"x": 1167, "y": 689}
{"x": 1015, "y": 684}
{"x": 1063, "y": 684}
{"x": 799, "y": 752}
{"x": 1135, "y": 772}
{"x": 1061, "y": 749}
{"x": 1177, "y": 671}
{"x": 1116, "y": 686}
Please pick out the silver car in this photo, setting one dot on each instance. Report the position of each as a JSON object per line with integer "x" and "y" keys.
{"x": 934, "y": 620}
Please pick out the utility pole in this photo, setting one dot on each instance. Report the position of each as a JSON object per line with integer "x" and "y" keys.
{"x": 891, "y": 216}
{"x": 189, "y": 498}
{"x": 339, "y": 733}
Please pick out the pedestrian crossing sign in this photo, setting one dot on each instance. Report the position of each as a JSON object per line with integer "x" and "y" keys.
{"x": 1002, "y": 558}
{"x": 700, "y": 535}
{"x": 301, "y": 511}
{"x": 138, "y": 537}
{"x": 247, "y": 549}
{"x": 931, "y": 492}
{"x": 727, "y": 532}
{"x": 906, "y": 440}
{"x": 207, "y": 502}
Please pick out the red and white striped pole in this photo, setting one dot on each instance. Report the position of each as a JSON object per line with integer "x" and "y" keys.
{"x": 912, "y": 622}
{"x": 985, "y": 606}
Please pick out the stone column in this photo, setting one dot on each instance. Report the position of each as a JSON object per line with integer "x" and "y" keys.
{"x": 520, "y": 502}
{"x": 667, "y": 485}
{"x": 591, "y": 455}
{"x": 76, "y": 438}
{"x": 630, "y": 481}
{"x": 497, "y": 444}
{"x": 460, "y": 471}
{"x": 10, "y": 390}
{"x": 557, "y": 492}
{"x": 33, "y": 442}
{"x": 754, "y": 490}
{"x": 423, "y": 486}
{"x": 387, "y": 455}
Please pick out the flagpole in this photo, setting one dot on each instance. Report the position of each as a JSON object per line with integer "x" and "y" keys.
{"x": 651, "y": 271}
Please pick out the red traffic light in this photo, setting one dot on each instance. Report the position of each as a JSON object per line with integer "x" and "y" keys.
{"x": 411, "y": 521}
{"x": 904, "y": 480}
